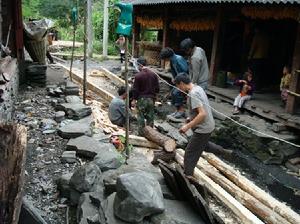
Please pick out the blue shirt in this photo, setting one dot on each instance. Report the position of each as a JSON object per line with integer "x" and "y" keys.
{"x": 178, "y": 65}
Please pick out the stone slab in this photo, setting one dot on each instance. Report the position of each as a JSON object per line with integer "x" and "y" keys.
{"x": 76, "y": 128}
{"x": 88, "y": 147}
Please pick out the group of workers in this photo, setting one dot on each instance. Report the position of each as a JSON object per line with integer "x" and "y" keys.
{"x": 191, "y": 79}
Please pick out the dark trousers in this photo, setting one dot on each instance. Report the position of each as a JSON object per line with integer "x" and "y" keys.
{"x": 122, "y": 57}
{"x": 49, "y": 57}
{"x": 197, "y": 144}
{"x": 178, "y": 98}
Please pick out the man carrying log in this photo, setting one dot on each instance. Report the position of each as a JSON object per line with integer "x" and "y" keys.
{"x": 201, "y": 121}
{"x": 145, "y": 88}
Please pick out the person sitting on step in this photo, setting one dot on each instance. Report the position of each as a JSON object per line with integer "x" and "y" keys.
{"x": 246, "y": 92}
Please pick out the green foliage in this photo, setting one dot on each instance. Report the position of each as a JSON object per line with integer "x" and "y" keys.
{"x": 60, "y": 12}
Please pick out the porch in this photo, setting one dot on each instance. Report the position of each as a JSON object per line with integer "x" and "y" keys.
{"x": 265, "y": 105}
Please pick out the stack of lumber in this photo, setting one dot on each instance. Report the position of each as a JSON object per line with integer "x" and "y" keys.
{"x": 101, "y": 118}
{"x": 247, "y": 201}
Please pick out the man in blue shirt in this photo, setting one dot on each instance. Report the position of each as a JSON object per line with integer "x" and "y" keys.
{"x": 178, "y": 65}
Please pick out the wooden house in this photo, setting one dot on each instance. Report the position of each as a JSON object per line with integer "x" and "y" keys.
{"x": 225, "y": 30}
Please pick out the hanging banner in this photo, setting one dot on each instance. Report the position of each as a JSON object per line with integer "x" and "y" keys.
{"x": 125, "y": 20}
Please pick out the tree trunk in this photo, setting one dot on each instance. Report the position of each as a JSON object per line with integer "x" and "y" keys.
{"x": 263, "y": 212}
{"x": 89, "y": 28}
{"x": 236, "y": 207}
{"x": 105, "y": 28}
{"x": 12, "y": 161}
{"x": 167, "y": 143}
{"x": 142, "y": 142}
{"x": 252, "y": 189}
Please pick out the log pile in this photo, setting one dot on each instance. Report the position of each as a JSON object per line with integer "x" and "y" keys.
{"x": 101, "y": 118}
{"x": 246, "y": 200}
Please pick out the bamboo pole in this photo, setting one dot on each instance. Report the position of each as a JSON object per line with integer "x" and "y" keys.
{"x": 73, "y": 49}
{"x": 249, "y": 187}
{"x": 84, "y": 53}
{"x": 127, "y": 99}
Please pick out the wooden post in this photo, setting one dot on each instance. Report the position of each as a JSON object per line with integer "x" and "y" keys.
{"x": 73, "y": 49}
{"x": 166, "y": 28}
{"x": 135, "y": 36}
{"x": 214, "y": 60}
{"x": 0, "y": 26}
{"x": 12, "y": 166}
{"x": 127, "y": 99}
{"x": 165, "y": 41}
{"x": 84, "y": 54}
{"x": 295, "y": 82}
{"x": 105, "y": 28}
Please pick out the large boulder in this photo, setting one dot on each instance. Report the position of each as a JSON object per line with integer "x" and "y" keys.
{"x": 76, "y": 129}
{"x": 88, "y": 147}
{"x": 138, "y": 196}
{"x": 136, "y": 163}
{"x": 109, "y": 159}
{"x": 85, "y": 178}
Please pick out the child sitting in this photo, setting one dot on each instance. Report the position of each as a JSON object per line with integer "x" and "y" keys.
{"x": 246, "y": 91}
{"x": 285, "y": 84}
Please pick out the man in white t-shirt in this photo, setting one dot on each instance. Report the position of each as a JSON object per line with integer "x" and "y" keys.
{"x": 201, "y": 121}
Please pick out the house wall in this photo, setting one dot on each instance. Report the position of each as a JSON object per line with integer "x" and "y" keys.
{"x": 10, "y": 91}
{"x": 11, "y": 11}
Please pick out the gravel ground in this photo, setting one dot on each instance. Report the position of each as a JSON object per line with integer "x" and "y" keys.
{"x": 43, "y": 164}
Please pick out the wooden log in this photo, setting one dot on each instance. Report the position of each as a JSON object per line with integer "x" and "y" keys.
{"x": 12, "y": 166}
{"x": 236, "y": 207}
{"x": 249, "y": 187}
{"x": 167, "y": 143}
{"x": 142, "y": 142}
{"x": 78, "y": 77}
{"x": 250, "y": 202}
{"x": 164, "y": 156}
{"x": 117, "y": 80}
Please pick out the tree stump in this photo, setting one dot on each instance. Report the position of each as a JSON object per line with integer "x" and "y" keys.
{"x": 153, "y": 135}
{"x": 12, "y": 161}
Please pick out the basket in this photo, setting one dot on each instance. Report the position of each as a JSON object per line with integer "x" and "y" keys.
{"x": 36, "y": 50}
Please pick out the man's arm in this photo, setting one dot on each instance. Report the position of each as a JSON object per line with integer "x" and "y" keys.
{"x": 197, "y": 120}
